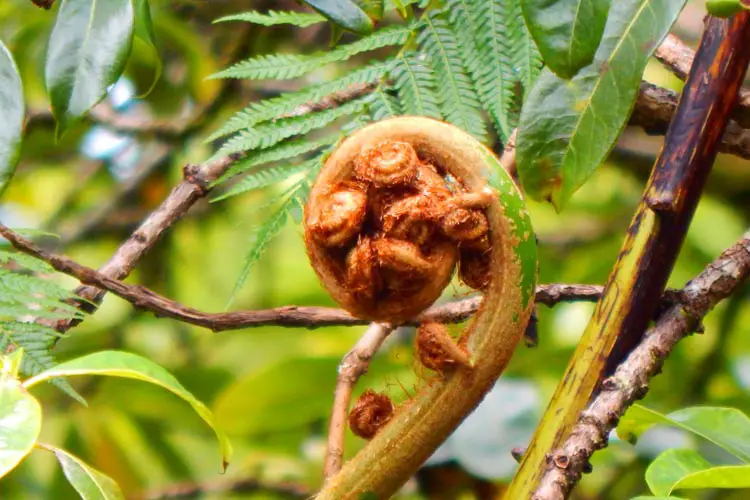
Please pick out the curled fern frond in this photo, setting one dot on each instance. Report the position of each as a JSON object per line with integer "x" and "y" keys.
{"x": 273, "y": 18}
{"x": 286, "y": 66}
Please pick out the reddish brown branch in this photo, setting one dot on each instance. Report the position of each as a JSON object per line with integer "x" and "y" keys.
{"x": 290, "y": 316}
{"x": 354, "y": 365}
{"x": 630, "y": 381}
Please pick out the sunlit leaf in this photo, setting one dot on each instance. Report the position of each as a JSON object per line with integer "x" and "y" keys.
{"x": 20, "y": 423}
{"x": 725, "y": 8}
{"x": 569, "y": 126}
{"x": 373, "y": 8}
{"x": 87, "y": 481}
{"x": 672, "y": 465}
{"x": 12, "y": 106}
{"x": 87, "y": 51}
{"x": 566, "y": 32}
{"x": 127, "y": 365}
{"x": 727, "y": 428}
{"x": 144, "y": 30}
{"x": 344, "y": 13}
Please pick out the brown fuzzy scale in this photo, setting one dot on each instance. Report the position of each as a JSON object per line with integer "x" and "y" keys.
{"x": 411, "y": 219}
{"x": 340, "y": 220}
{"x": 387, "y": 164}
{"x": 462, "y": 224}
{"x": 370, "y": 413}
{"x": 435, "y": 348}
{"x": 474, "y": 268}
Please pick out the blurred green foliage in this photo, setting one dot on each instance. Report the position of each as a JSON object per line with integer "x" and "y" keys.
{"x": 271, "y": 387}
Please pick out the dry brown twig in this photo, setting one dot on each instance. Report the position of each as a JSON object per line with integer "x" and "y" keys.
{"x": 353, "y": 366}
{"x": 629, "y": 383}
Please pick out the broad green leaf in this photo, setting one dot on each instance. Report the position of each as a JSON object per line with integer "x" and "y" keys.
{"x": 87, "y": 51}
{"x": 566, "y": 32}
{"x": 657, "y": 498}
{"x": 344, "y": 13}
{"x": 726, "y": 8}
{"x": 87, "y": 481}
{"x": 373, "y": 8}
{"x": 20, "y": 423}
{"x": 727, "y": 428}
{"x": 672, "y": 465}
{"x": 290, "y": 394}
{"x": 569, "y": 126}
{"x": 127, "y": 365}
{"x": 12, "y": 106}
{"x": 144, "y": 30}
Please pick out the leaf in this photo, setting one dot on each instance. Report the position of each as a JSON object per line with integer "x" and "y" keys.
{"x": 11, "y": 126}
{"x": 288, "y": 66}
{"x": 416, "y": 86}
{"x": 273, "y": 18}
{"x": 657, "y": 498}
{"x": 725, "y": 8}
{"x": 344, "y": 13}
{"x": 567, "y": 32}
{"x": 569, "y": 126}
{"x": 87, "y": 51}
{"x": 727, "y": 428}
{"x": 144, "y": 30}
{"x": 127, "y": 365}
{"x": 373, "y": 8}
{"x": 685, "y": 469}
{"x": 20, "y": 423}
{"x": 87, "y": 481}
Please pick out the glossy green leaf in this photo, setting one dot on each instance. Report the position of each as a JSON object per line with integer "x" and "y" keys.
{"x": 87, "y": 481}
{"x": 373, "y": 8}
{"x": 344, "y": 13}
{"x": 20, "y": 423}
{"x": 127, "y": 365}
{"x": 144, "y": 30}
{"x": 678, "y": 469}
{"x": 672, "y": 465}
{"x": 11, "y": 126}
{"x": 569, "y": 126}
{"x": 566, "y": 32}
{"x": 726, "y": 8}
{"x": 727, "y": 428}
{"x": 87, "y": 51}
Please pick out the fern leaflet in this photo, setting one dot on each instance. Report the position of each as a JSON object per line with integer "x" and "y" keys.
{"x": 273, "y": 17}
{"x": 416, "y": 86}
{"x": 284, "y": 66}
{"x": 458, "y": 100}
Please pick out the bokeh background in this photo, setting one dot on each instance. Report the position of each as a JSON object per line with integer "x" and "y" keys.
{"x": 272, "y": 388}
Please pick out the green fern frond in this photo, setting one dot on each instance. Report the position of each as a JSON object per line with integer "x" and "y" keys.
{"x": 267, "y": 176}
{"x": 459, "y": 102}
{"x": 270, "y": 109}
{"x": 286, "y": 150}
{"x": 286, "y": 66}
{"x": 273, "y": 18}
{"x": 36, "y": 341}
{"x": 416, "y": 86}
{"x": 526, "y": 56}
{"x": 384, "y": 105}
{"x": 496, "y": 78}
{"x": 268, "y": 134}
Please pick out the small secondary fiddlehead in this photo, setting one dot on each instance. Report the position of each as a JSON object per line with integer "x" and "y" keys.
{"x": 428, "y": 207}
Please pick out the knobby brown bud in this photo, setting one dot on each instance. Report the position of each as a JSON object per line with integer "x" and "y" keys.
{"x": 436, "y": 349}
{"x": 387, "y": 164}
{"x": 370, "y": 413}
{"x": 341, "y": 217}
{"x": 474, "y": 268}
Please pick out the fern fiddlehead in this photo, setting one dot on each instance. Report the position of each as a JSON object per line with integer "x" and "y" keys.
{"x": 418, "y": 427}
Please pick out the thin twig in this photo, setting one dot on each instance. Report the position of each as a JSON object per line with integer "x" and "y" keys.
{"x": 630, "y": 381}
{"x": 353, "y": 366}
{"x": 291, "y": 316}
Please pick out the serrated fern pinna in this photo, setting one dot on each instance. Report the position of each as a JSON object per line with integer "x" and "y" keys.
{"x": 466, "y": 61}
